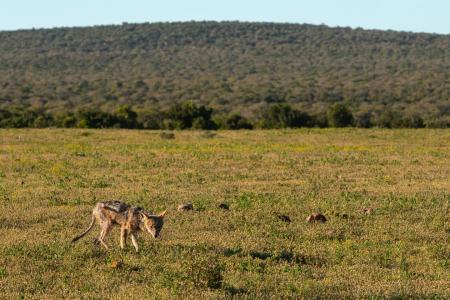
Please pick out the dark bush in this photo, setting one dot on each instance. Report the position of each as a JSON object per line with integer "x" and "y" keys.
{"x": 187, "y": 115}
{"x": 320, "y": 120}
{"x": 390, "y": 119}
{"x": 126, "y": 117}
{"x": 339, "y": 115}
{"x": 150, "y": 119}
{"x": 284, "y": 116}
{"x": 95, "y": 119}
{"x": 234, "y": 121}
{"x": 363, "y": 120}
{"x": 413, "y": 121}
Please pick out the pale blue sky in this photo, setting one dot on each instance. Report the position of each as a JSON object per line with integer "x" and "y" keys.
{"x": 409, "y": 15}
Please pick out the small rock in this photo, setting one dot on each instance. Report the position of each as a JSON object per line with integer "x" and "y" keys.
{"x": 331, "y": 232}
{"x": 167, "y": 135}
{"x": 224, "y": 206}
{"x": 316, "y": 217}
{"x": 367, "y": 210}
{"x": 284, "y": 218}
{"x": 208, "y": 135}
{"x": 185, "y": 207}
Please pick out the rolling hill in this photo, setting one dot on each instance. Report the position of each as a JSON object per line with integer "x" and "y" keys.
{"x": 229, "y": 66}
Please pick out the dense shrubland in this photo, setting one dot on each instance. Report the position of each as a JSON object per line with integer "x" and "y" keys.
{"x": 237, "y": 72}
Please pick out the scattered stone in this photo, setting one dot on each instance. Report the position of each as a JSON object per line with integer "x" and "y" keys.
{"x": 224, "y": 206}
{"x": 331, "y": 232}
{"x": 284, "y": 218}
{"x": 208, "y": 134}
{"x": 368, "y": 210}
{"x": 316, "y": 217}
{"x": 135, "y": 269}
{"x": 185, "y": 207}
{"x": 260, "y": 255}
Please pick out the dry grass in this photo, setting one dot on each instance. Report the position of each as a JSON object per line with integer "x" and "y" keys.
{"x": 50, "y": 180}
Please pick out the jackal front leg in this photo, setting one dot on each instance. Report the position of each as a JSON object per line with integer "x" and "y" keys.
{"x": 123, "y": 237}
{"x": 134, "y": 241}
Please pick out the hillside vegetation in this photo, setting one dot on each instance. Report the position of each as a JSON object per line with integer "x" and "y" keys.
{"x": 230, "y": 67}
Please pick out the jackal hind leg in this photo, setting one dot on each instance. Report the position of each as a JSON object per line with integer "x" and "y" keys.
{"x": 134, "y": 241}
{"x": 106, "y": 228}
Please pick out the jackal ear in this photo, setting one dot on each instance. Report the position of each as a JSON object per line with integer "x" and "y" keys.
{"x": 161, "y": 215}
{"x": 144, "y": 216}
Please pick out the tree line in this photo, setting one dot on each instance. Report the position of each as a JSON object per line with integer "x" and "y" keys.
{"x": 188, "y": 115}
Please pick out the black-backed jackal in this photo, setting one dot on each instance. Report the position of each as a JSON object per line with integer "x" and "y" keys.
{"x": 131, "y": 220}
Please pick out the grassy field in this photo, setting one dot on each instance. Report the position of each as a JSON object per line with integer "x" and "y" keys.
{"x": 50, "y": 180}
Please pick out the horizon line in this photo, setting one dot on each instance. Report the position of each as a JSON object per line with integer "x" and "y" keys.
{"x": 218, "y": 21}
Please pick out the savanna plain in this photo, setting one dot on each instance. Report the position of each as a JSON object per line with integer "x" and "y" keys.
{"x": 50, "y": 180}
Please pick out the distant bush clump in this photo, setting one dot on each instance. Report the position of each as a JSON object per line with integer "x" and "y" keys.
{"x": 339, "y": 116}
{"x": 233, "y": 121}
{"x": 284, "y": 116}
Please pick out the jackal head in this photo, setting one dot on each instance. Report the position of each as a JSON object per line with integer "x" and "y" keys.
{"x": 154, "y": 223}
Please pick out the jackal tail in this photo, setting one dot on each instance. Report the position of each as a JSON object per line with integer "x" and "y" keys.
{"x": 85, "y": 232}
